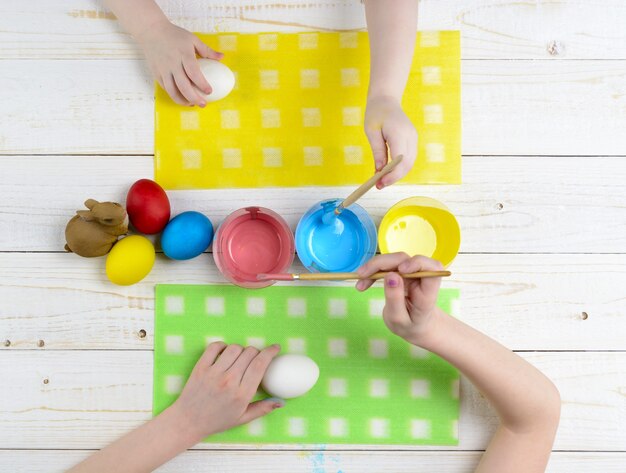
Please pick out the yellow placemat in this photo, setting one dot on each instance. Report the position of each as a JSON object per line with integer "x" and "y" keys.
{"x": 295, "y": 116}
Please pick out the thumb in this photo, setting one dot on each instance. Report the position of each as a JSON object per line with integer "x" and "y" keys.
{"x": 395, "y": 302}
{"x": 260, "y": 408}
{"x": 379, "y": 148}
{"x": 204, "y": 51}
{"x": 397, "y": 147}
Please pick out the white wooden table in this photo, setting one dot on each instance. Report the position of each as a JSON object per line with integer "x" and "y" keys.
{"x": 542, "y": 210}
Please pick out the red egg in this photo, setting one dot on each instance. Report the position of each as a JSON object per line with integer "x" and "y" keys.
{"x": 148, "y": 206}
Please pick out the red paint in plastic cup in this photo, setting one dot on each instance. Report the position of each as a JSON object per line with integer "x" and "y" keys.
{"x": 252, "y": 241}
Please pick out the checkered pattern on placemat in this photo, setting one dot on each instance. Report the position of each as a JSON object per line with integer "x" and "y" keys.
{"x": 295, "y": 116}
{"x": 374, "y": 388}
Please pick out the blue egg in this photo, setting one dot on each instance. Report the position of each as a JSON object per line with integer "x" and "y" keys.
{"x": 186, "y": 236}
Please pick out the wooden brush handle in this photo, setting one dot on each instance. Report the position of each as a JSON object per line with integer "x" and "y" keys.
{"x": 371, "y": 182}
{"x": 380, "y": 275}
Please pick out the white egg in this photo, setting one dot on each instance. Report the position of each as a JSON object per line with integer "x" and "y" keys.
{"x": 220, "y": 77}
{"x": 290, "y": 376}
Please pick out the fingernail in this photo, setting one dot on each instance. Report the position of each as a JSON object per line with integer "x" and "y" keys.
{"x": 392, "y": 282}
{"x": 277, "y": 402}
{"x": 359, "y": 285}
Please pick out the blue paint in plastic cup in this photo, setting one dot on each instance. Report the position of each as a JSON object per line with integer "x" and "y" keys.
{"x": 342, "y": 245}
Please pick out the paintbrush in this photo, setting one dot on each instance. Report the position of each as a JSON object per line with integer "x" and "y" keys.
{"x": 362, "y": 189}
{"x": 344, "y": 276}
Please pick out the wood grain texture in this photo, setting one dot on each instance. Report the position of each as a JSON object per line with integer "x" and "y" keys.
{"x": 496, "y": 29}
{"x": 506, "y": 204}
{"x": 94, "y": 396}
{"x": 509, "y": 107}
{"x": 528, "y": 302}
{"x": 319, "y": 461}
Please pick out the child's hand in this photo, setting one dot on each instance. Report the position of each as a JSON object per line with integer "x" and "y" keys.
{"x": 409, "y": 303}
{"x": 386, "y": 125}
{"x": 219, "y": 390}
{"x": 171, "y": 54}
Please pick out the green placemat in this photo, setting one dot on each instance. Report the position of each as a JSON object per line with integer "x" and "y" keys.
{"x": 374, "y": 388}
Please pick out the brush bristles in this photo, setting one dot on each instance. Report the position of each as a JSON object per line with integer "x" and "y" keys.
{"x": 275, "y": 277}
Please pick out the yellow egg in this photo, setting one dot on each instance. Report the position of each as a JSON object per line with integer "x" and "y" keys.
{"x": 130, "y": 260}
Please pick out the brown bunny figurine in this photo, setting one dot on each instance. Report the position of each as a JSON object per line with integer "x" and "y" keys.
{"x": 93, "y": 232}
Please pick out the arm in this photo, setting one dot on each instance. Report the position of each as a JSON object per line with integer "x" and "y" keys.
{"x": 143, "y": 449}
{"x": 170, "y": 50}
{"x": 527, "y": 402}
{"x": 136, "y": 16}
{"x": 392, "y": 27}
{"x": 216, "y": 397}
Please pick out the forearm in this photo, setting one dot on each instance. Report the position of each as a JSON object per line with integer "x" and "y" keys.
{"x": 392, "y": 26}
{"x": 136, "y": 16}
{"x": 521, "y": 394}
{"x": 144, "y": 449}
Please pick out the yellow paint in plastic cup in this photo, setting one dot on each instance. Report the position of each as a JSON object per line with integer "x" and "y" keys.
{"x": 420, "y": 226}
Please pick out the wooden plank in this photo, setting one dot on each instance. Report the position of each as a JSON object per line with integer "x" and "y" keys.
{"x": 78, "y": 106}
{"x": 320, "y": 461}
{"x": 522, "y": 300}
{"x": 490, "y": 28}
{"x": 92, "y": 397}
{"x": 506, "y": 204}
{"x": 509, "y": 107}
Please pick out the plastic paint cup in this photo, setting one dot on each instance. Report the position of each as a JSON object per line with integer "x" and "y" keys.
{"x": 344, "y": 244}
{"x": 251, "y": 241}
{"x": 420, "y": 226}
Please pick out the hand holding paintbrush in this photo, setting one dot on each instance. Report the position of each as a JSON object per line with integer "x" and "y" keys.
{"x": 360, "y": 191}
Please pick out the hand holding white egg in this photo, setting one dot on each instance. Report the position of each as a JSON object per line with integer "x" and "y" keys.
{"x": 219, "y": 392}
{"x": 171, "y": 53}
{"x": 220, "y": 77}
{"x": 290, "y": 376}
